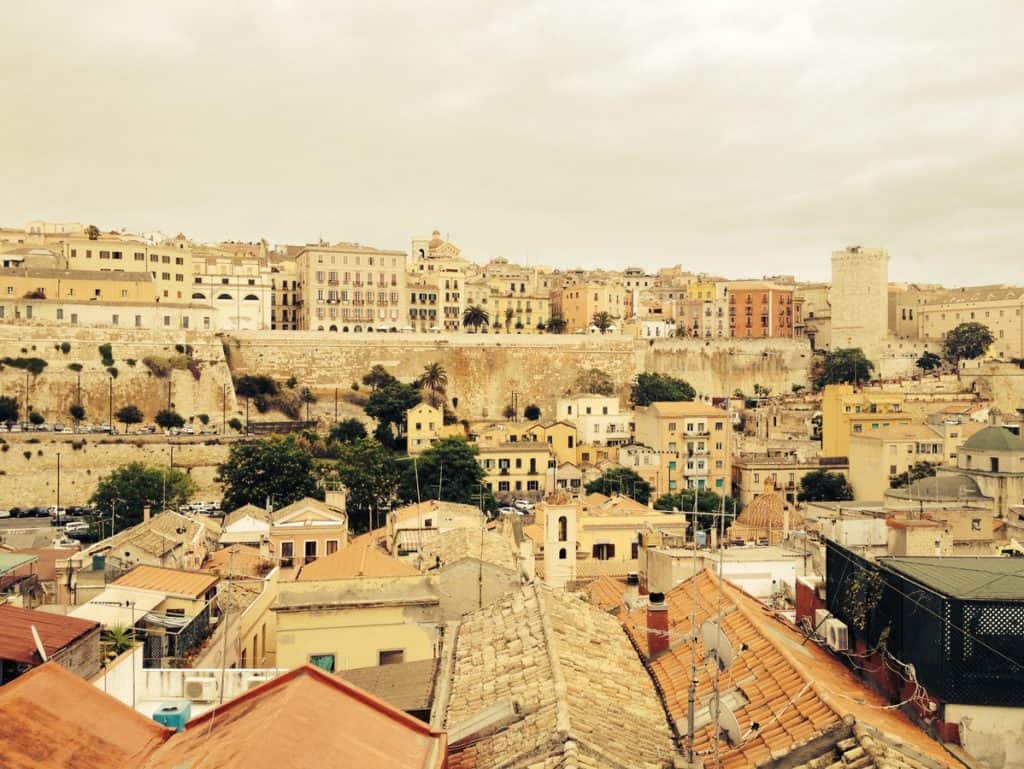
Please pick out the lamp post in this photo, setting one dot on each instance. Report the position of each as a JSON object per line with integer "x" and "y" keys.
{"x": 110, "y": 404}
{"x": 224, "y": 410}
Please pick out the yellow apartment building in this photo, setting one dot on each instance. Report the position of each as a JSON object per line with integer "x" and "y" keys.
{"x": 349, "y": 288}
{"x": 284, "y": 286}
{"x": 518, "y": 469}
{"x": 785, "y": 471}
{"x": 77, "y": 286}
{"x": 692, "y": 440}
{"x": 424, "y": 424}
{"x": 997, "y": 307}
{"x": 499, "y": 298}
{"x": 560, "y": 437}
{"x": 168, "y": 264}
{"x": 846, "y": 412}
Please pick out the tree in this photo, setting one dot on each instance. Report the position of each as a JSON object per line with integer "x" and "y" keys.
{"x": 128, "y": 415}
{"x": 556, "y": 324}
{"x": 132, "y": 487}
{"x": 593, "y": 381}
{"x": 388, "y": 406}
{"x": 602, "y": 321}
{"x": 654, "y": 388}
{"x": 917, "y": 471}
{"x": 92, "y": 232}
{"x": 709, "y": 505}
{"x": 36, "y": 418}
{"x": 348, "y": 431}
{"x": 434, "y": 379}
{"x": 9, "y": 409}
{"x": 509, "y": 314}
{"x": 370, "y": 474}
{"x": 168, "y": 418}
{"x": 77, "y": 413}
{"x": 275, "y": 469}
{"x": 306, "y": 396}
{"x": 474, "y": 317}
{"x": 823, "y": 486}
{"x": 842, "y": 366}
{"x": 378, "y": 377}
{"x": 255, "y": 385}
{"x": 448, "y": 471}
{"x": 929, "y": 361}
{"x": 967, "y": 342}
{"x": 621, "y": 480}
{"x": 532, "y": 412}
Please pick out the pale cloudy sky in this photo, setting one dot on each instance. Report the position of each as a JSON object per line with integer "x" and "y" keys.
{"x": 742, "y": 138}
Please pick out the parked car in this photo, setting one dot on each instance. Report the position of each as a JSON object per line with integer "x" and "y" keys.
{"x": 37, "y": 512}
{"x": 59, "y": 428}
{"x": 5, "y": 513}
{"x": 523, "y": 504}
{"x": 508, "y": 511}
{"x": 76, "y": 527}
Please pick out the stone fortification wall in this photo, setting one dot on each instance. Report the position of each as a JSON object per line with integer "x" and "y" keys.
{"x": 1003, "y": 383}
{"x": 28, "y": 464}
{"x": 484, "y": 370}
{"x": 55, "y": 390}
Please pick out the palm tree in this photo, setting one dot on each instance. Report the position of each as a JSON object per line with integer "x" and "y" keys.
{"x": 435, "y": 379}
{"x": 603, "y": 321}
{"x": 474, "y": 317}
{"x": 306, "y": 396}
{"x": 508, "y": 320}
{"x": 556, "y": 325}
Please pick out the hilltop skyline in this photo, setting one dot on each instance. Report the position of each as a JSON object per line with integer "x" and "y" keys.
{"x": 737, "y": 139}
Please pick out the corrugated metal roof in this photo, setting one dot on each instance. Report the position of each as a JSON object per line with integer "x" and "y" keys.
{"x": 55, "y": 631}
{"x": 970, "y": 579}
{"x": 12, "y": 561}
{"x": 177, "y": 582}
{"x": 118, "y": 607}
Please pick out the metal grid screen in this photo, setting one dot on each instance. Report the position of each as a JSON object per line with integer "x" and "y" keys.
{"x": 967, "y": 652}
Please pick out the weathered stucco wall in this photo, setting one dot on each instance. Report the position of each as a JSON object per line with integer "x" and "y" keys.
{"x": 484, "y": 370}
{"x": 28, "y": 481}
{"x": 55, "y": 390}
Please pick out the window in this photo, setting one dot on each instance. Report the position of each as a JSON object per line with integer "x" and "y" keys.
{"x": 561, "y": 554}
{"x": 287, "y": 554}
{"x": 563, "y": 526}
{"x": 976, "y": 524}
{"x": 332, "y": 546}
{"x": 390, "y": 656}
{"x": 603, "y": 551}
{"x": 323, "y": 661}
{"x": 309, "y": 550}
{"x": 60, "y": 314}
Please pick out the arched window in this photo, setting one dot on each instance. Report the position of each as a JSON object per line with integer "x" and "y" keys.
{"x": 333, "y": 328}
{"x": 357, "y": 329}
{"x": 197, "y": 295}
{"x": 561, "y": 554}
{"x": 319, "y": 328}
{"x": 252, "y": 298}
{"x": 224, "y": 296}
{"x": 345, "y": 329}
{"x": 563, "y": 527}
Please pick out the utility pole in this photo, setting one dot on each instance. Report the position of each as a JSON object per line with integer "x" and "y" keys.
{"x": 110, "y": 403}
{"x": 58, "y": 487}
{"x": 335, "y": 405}
{"x": 169, "y": 392}
{"x": 224, "y": 410}
{"x": 27, "y": 407}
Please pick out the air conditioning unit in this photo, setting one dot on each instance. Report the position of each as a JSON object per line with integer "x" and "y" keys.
{"x": 837, "y": 635}
{"x": 256, "y": 679}
{"x": 201, "y": 689}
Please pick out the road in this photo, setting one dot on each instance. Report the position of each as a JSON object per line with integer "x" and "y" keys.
{"x": 25, "y": 523}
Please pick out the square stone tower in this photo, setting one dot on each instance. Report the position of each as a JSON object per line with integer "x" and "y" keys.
{"x": 860, "y": 298}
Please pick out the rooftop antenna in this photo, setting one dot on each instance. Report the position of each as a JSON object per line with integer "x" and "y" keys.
{"x": 727, "y": 723}
{"x": 692, "y": 692}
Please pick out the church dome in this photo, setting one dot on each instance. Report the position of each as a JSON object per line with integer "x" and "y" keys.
{"x": 767, "y": 511}
{"x": 435, "y": 240}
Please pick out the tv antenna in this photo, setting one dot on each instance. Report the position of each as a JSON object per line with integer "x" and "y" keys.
{"x": 727, "y": 723}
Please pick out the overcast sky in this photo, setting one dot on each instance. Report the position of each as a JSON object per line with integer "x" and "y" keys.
{"x": 741, "y": 138}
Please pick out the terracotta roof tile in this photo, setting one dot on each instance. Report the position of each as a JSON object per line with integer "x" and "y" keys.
{"x": 355, "y": 561}
{"x": 52, "y": 719}
{"x": 793, "y": 689}
{"x": 607, "y": 593}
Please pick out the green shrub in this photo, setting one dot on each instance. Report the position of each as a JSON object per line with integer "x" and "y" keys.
{"x": 204, "y": 418}
{"x": 106, "y": 354}
{"x": 235, "y": 424}
{"x": 65, "y": 347}
{"x": 75, "y": 366}
{"x": 34, "y": 366}
{"x": 130, "y": 361}
{"x": 112, "y": 371}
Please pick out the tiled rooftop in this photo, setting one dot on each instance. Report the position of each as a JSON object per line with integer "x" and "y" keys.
{"x": 455, "y": 544}
{"x": 793, "y": 689}
{"x": 585, "y": 697}
{"x": 607, "y": 593}
{"x": 178, "y": 582}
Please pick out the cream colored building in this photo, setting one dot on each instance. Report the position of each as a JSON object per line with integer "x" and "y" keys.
{"x": 85, "y": 312}
{"x": 285, "y": 294}
{"x": 599, "y": 419}
{"x": 57, "y": 285}
{"x": 349, "y": 288}
{"x": 785, "y": 471}
{"x": 509, "y": 311}
{"x": 1000, "y": 308}
{"x": 238, "y": 283}
{"x": 561, "y": 438}
{"x": 846, "y": 411}
{"x": 438, "y": 270}
{"x": 860, "y": 298}
{"x": 693, "y": 441}
{"x": 307, "y": 530}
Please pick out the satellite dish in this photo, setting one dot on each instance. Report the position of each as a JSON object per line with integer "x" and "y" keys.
{"x": 727, "y": 723}
{"x": 716, "y": 644}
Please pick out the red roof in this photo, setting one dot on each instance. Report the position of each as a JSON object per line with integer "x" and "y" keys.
{"x": 52, "y": 719}
{"x": 304, "y": 717}
{"x": 794, "y": 689}
{"x": 55, "y": 631}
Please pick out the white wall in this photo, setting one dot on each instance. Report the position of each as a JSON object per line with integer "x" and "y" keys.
{"x": 995, "y": 736}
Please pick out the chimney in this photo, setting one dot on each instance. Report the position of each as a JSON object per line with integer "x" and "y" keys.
{"x": 632, "y": 594}
{"x": 657, "y": 625}
{"x": 145, "y": 514}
